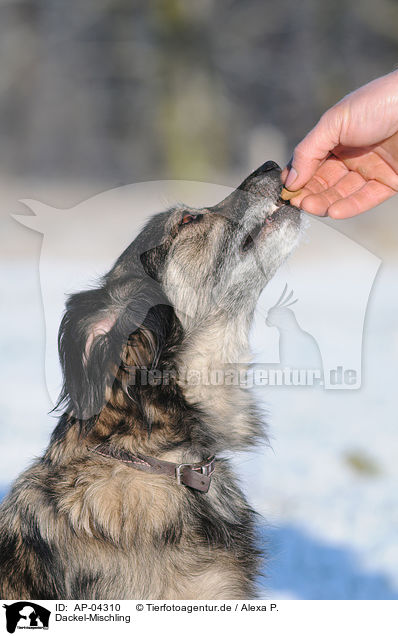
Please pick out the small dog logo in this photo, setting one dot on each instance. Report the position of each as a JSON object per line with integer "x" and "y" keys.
{"x": 297, "y": 347}
{"x": 26, "y": 615}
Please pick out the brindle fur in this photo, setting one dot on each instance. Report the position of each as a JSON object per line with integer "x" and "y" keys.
{"x": 78, "y": 525}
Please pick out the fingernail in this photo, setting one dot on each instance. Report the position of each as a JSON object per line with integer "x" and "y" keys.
{"x": 291, "y": 178}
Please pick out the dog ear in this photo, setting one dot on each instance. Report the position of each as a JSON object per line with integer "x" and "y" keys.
{"x": 96, "y": 327}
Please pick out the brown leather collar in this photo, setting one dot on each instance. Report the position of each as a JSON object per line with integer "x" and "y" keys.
{"x": 196, "y": 476}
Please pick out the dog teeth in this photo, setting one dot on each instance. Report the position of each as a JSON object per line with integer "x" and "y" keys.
{"x": 273, "y": 209}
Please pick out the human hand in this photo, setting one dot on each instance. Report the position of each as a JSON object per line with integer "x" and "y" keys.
{"x": 348, "y": 163}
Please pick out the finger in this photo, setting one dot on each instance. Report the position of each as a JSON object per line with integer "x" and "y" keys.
{"x": 284, "y": 174}
{"x": 328, "y": 174}
{"x": 313, "y": 187}
{"x": 345, "y": 187}
{"x": 371, "y": 194}
{"x": 310, "y": 153}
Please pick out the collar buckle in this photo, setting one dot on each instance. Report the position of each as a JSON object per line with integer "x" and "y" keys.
{"x": 179, "y": 469}
{"x": 197, "y": 476}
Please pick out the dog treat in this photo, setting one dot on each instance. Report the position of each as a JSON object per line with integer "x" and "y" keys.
{"x": 286, "y": 195}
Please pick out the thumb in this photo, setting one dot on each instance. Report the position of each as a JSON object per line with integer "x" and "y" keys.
{"x": 313, "y": 150}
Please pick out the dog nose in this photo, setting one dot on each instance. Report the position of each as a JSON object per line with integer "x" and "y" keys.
{"x": 259, "y": 181}
{"x": 267, "y": 167}
{"x": 265, "y": 182}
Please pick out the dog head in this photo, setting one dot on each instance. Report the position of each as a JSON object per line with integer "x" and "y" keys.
{"x": 187, "y": 269}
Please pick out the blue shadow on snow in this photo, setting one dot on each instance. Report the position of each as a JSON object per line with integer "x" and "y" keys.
{"x": 303, "y": 567}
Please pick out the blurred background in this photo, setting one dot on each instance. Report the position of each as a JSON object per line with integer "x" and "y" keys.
{"x": 104, "y": 93}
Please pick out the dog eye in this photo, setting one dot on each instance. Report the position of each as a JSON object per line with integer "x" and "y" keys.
{"x": 190, "y": 218}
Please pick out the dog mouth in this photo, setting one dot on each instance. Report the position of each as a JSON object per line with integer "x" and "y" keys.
{"x": 273, "y": 219}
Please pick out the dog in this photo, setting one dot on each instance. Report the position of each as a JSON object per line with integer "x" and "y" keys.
{"x": 135, "y": 496}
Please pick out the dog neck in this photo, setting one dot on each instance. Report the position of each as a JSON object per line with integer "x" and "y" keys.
{"x": 212, "y": 371}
